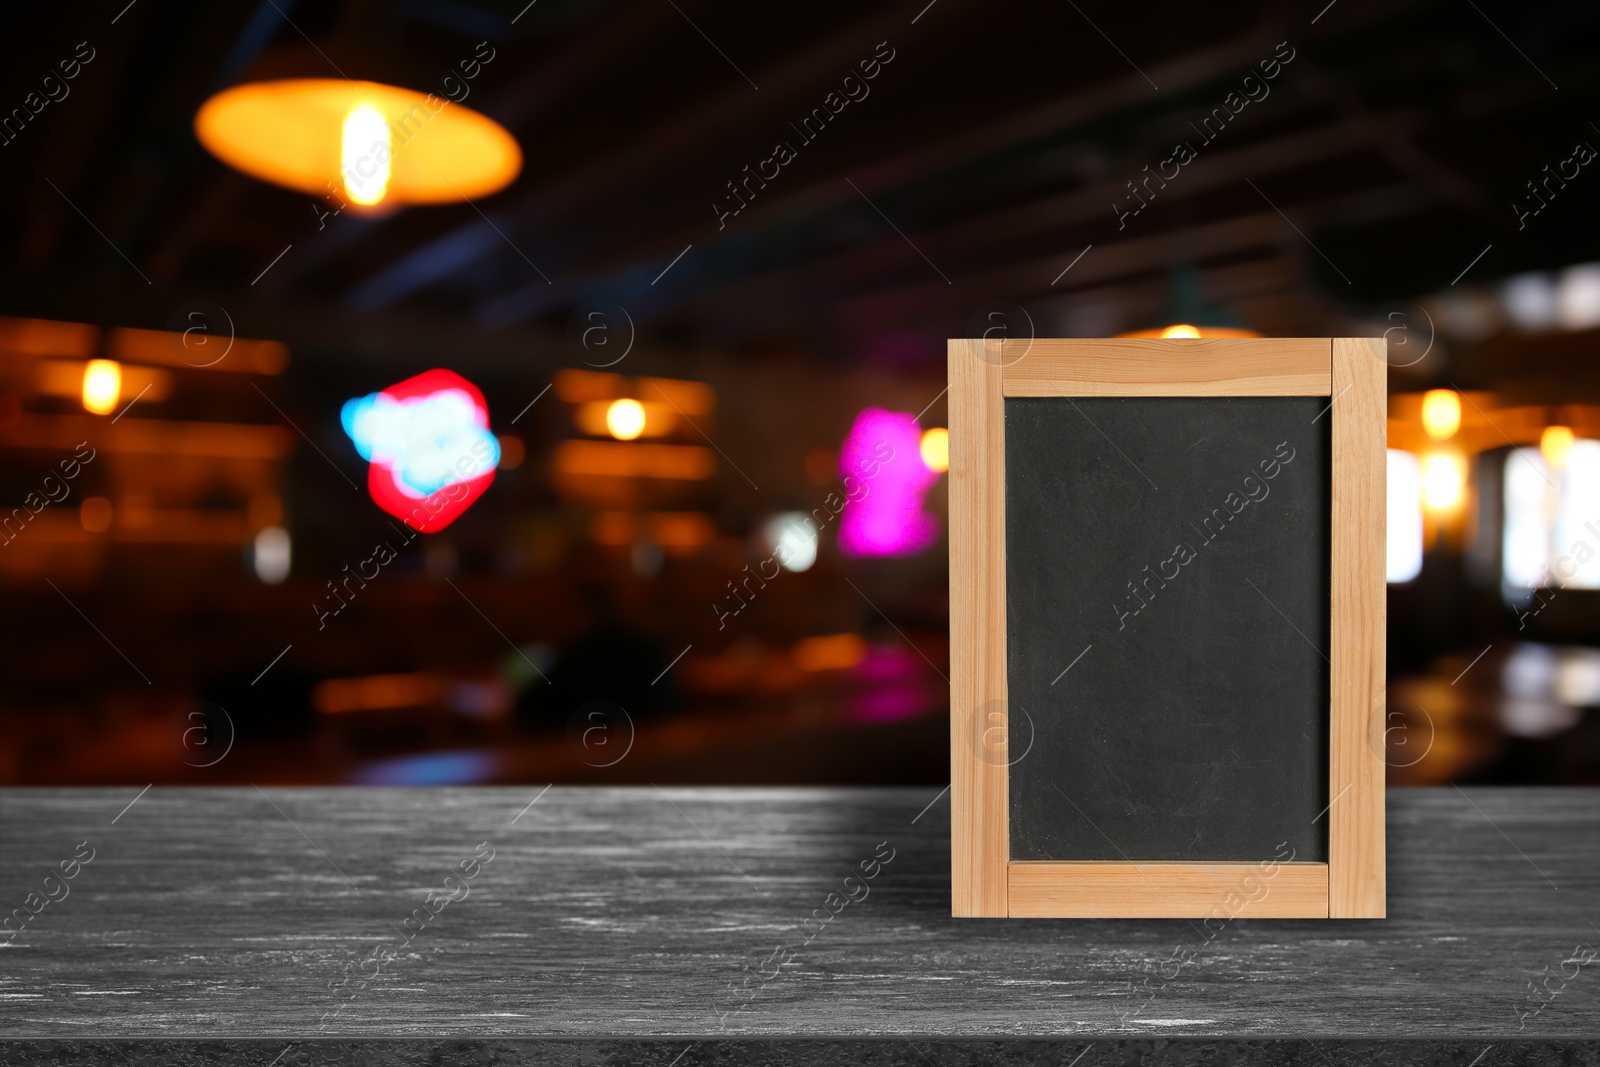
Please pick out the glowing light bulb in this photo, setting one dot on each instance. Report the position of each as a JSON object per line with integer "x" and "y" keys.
{"x": 102, "y": 386}
{"x": 1180, "y": 330}
{"x": 1441, "y": 413}
{"x": 273, "y": 551}
{"x": 1443, "y": 481}
{"x": 1555, "y": 444}
{"x": 364, "y": 155}
{"x": 792, "y": 538}
{"x": 936, "y": 449}
{"x": 625, "y": 419}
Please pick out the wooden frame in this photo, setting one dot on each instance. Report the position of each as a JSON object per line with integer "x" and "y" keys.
{"x": 1351, "y": 372}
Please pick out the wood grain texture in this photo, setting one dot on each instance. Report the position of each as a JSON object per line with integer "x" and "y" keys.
{"x": 605, "y": 913}
{"x": 878, "y": 1051}
{"x": 978, "y": 787}
{"x": 1356, "y": 653}
{"x": 1139, "y": 366}
{"x": 1099, "y": 890}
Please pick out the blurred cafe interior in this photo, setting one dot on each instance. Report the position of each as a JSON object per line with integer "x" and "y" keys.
{"x": 636, "y": 290}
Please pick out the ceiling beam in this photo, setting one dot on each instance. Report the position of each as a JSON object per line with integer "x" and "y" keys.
{"x": 897, "y": 169}
{"x": 936, "y": 302}
{"x": 1077, "y": 108}
{"x": 1087, "y": 209}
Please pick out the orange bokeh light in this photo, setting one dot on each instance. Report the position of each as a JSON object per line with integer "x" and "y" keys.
{"x": 1555, "y": 444}
{"x": 620, "y": 459}
{"x": 625, "y": 419}
{"x": 102, "y": 386}
{"x": 1441, "y": 413}
{"x": 1183, "y": 331}
{"x": 291, "y": 132}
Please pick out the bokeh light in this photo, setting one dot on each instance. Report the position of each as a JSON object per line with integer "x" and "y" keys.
{"x": 625, "y": 419}
{"x": 102, "y": 386}
{"x": 1555, "y": 444}
{"x": 936, "y": 449}
{"x": 1443, "y": 481}
{"x": 1441, "y": 413}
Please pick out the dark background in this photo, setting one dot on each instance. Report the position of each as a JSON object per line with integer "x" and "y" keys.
{"x": 1381, "y": 188}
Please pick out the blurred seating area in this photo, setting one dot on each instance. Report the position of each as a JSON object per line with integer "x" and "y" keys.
{"x": 465, "y": 391}
{"x": 606, "y": 625}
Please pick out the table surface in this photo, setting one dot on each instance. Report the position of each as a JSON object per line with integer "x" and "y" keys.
{"x": 644, "y": 912}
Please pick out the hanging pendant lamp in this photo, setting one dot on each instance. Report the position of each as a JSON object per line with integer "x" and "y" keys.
{"x": 373, "y": 144}
{"x": 1187, "y": 313}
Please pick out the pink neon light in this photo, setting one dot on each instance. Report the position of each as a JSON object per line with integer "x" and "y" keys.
{"x": 883, "y": 451}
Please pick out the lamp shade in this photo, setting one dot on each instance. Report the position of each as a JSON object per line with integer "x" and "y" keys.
{"x": 1187, "y": 313}
{"x": 371, "y": 143}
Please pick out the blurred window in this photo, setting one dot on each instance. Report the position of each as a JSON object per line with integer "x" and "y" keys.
{"x": 1405, "y": 517}
{"x": 1552, "y": 519}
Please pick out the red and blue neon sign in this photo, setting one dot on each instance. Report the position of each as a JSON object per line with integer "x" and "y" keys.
{"x": 428, "y": 444}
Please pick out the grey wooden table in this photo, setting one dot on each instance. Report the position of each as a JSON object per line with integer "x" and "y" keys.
{"x": 690, "y": 926}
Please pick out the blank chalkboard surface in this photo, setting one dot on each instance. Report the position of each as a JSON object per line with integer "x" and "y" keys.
{"x": 1167, "y": 619}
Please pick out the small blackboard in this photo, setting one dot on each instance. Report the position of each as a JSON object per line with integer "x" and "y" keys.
{"x": 1174, "y": 694}
{"x": 1167, "y": 627}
